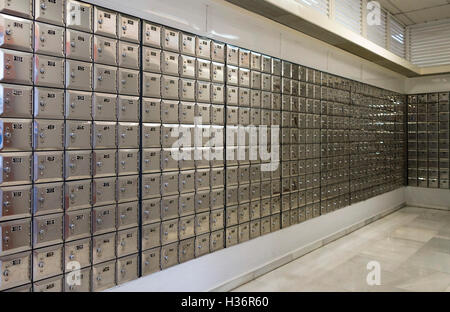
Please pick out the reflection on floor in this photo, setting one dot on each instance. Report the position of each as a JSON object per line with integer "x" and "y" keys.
{"x": 412, "y": 247}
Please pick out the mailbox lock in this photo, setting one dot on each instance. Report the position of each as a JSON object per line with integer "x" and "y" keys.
{"x": 41, "y": 199}
{"x": 122, "y": 216}
{"x": 42, "y": 70}
{"x": 166, "y": 258}
{"x": 41, "y": 264}
{"x": 123, "y": 271}
{"x": 72, "y": 196}
{"x": 43, "y": 6}
{"x": 71, "y": 257}
{"x": 122, "y": 189}
{"x": 99, "y": 278}
{"x": 6, "y": 273}
{"x": 7, "y": 169}
{"x": 8, "y": 32}
{"x": 122, "y": 243}
{"x": 6, "y": 203}
{"x": 72, "y": 44}
{"x": 100, "y": 21}
{"x": 99, "y": 221}
{"x": 71, "y": 226}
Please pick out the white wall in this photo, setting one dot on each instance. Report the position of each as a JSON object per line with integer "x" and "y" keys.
{"x": 426, "y": 84}
{"x": 427, "y": 197}
{"x": 228, "y": 23}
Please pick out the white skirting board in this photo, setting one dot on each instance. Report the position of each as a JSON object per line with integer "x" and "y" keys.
{"x": 230, "y": 267}
{"x": 427, "y": 197}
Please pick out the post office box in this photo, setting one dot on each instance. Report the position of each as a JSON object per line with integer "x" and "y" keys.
{"x": 48, "y": 71}
{"x": 186, "y": 250}
{"x": 187, "y": 66}
{"x": 48, "y": 166}
{"x": 151, "y": 160}
{"x": 152, "y": 60}
{"x": 152, "y": 34}
{"x": 18, "y": 68}
{"x": 287, "y": 69}
{"x": 255, "y": 229}
{"x": 79, "y": 46}
{"x": 103, "y": 247}
{"x": 202, "y": 201}
{"x": 265, "y": 225}
{"x": 169, "y": 159}
{"x": 22, "y": 8}
{"x": 217, "y": 72}
{"x": 15, "y": 169}
{"x": 232, "y": 75}
{"x": 217, "y": 220}
{"x": 105, "y": 78}
{"x": 275, "y": 222}
{"x": 218, "y": 52}
{"x": 285, "y": 219}
{"x": 169, "y": 87}
{"x": 151, "y": 236}
{"x": 151, "y": 109}
{"x": 47, "y": 230}
{"x": 244, "y": 77}
{"x": 104, "y": 276}
{"x": 77, "y": 165}
{"x": 244, "y": 232}
{"x": 202, "y": 179}
{"x": 53, "y": 284}
{"x": 169, "y": 183}
{"x": 187, "y": 90}
{"x": 186, "y": 112}
{"x": 48, "y": 134}
{"x": 244, "y": 97}
{"x": 127, "y": 215}
{"x": 16, "y": 101}
{"x": 265, "y": 82}
{"x": 170, "y": 39}
{"x": 169, "y": 255}
{"x": 49, "y": 39}
{"x": 202, "y": 245}
{"x": 128, "y": 161}
{"x": 187, "y": 181}
{"x": 15, "y": 135}
{"x": 103, "y": 219}
{"x": 16, "y": 33}
{"x": 105, "y": 52}
{"x": 77, "y": 224}
{"x": 49, "y": 11}
{"x": 129, "y": 82}
{"x": 203, "y": 69}
{"x": 16, "y": 236}
{"x": 169, "y": 63}
{"x": 218, "y": 94}
{"x": 103, "y": 191}
{"x": 128, "y": 135}
{"x": 169, "y": 111}
{"x": 105, "y": 22}
{"x": 129, "y": 28}
{"x": 127, "y": 242}
{"x": 203, "y": 47}
{"x": 231, "y": 236}
{"x": 47, "y": 262}
{"x": 202, "y": 223}
{"x": 275, "y": 204}
{"x": 104, "y": 135}
{"x": 79, "y": 251}
{"x": 127, "y": 188}
{"x": 243, "y": 213}
{"x": 232, "y": 95}
{"x": 255, "y": 80}
{"x": 169, "y": 207}
{"x": 151, "y": 135}
{"x": 78, "y": 105}
{"x": 15, "y": 270}
{"x": 275, "y": 84}
{"x": 77, "y": 195}
{"x": 80, "y": 282}
{"x": 79, "y": 15}
{"x": 16, "y": 202}
{"x": 255, "y": 209}
{"x": 169, "y": 231}
{"x": 187, "y": 227}
{"x": 128, "y": 108}
{"x": 187, "y": 204}
{"x": 104, "y": 106}
{"x": 151, "y": 261}
{"x": 78, "y": 75}
{"x": 76, "y": 134}
{"x": 216, "y": 177}
{"x": 203, "y": 92}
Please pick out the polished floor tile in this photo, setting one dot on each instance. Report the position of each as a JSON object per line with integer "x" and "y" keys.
{"x": 411, "y": 248}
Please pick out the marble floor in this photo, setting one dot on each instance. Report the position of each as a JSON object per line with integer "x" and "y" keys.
{"x": 411, "y": 246}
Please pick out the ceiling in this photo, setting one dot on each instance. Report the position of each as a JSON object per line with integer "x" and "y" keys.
{"x": 412, "y": 12}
